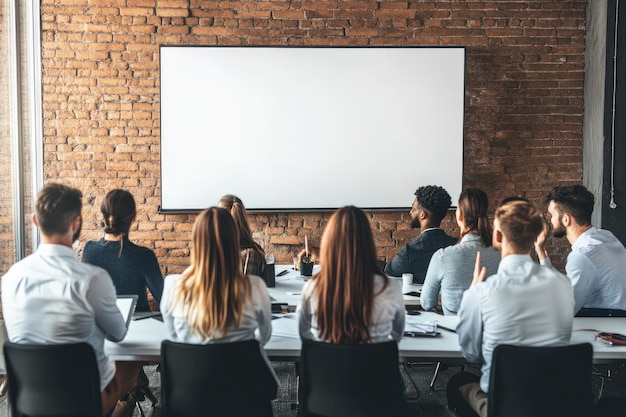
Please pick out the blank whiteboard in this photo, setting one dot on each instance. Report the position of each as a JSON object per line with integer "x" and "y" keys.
{"x": 308, "y": 129}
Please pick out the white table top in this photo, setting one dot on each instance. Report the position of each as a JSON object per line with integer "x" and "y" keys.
{"x": 288, "y": 287}
{"x": 143, "y": 341}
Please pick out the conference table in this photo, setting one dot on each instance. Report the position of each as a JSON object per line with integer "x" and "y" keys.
{"x": 144, "y": 337}
{"x": 288, "y": 288}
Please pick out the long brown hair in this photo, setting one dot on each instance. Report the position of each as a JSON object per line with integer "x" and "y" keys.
{"x": 474, "y": 203}
{"x": 344, "y": 287}
{"x": 213, "y": 289}
{"x": 236, "y": 208}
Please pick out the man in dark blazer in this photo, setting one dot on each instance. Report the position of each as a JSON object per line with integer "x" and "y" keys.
{"x": 430, "y": 206}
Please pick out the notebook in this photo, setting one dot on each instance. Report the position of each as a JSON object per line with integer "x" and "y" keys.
{"x": 127, "y": 304}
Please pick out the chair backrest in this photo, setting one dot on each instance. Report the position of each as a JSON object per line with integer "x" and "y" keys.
{"x": 541, "y": 381}
{"x": 59, "y": 380}
{"x": 351, "y": 380}
{"x": 220, "y": 379}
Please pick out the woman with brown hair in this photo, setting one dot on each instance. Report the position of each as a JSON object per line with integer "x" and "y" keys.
{"x": 252, "y": 254}
{"x": 350, "y": 300}
{"x": 213, "y": 301}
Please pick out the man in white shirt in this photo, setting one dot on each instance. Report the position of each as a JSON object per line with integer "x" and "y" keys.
{"x": 522, "y": 304}
{"x": 597, "y": 262}
{"x": 50, "y": 297}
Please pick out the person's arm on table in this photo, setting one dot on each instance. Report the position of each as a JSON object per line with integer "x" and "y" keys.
{"x": 168, "y": 287}
{"x": 101, "y": 295}
{"x": 397, "y": 326}
{"x": 470, "y": 327}
{"x": 583, "y": 276}
{"x": 263, "y": 310}
{"x": 432, "y": 283}
{"x": 153, "y": 276}
{"x": 304, "y": 313}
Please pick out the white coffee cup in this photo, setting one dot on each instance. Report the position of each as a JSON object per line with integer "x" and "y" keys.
{"x": 407, "y": 279}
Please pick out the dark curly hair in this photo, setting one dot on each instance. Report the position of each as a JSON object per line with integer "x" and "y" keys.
{"x": 435, "y": 200}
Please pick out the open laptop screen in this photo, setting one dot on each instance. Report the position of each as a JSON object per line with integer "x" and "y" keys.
{"x": 127, "y": 304}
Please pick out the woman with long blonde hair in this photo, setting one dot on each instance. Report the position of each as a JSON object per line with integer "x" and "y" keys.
{"x": 252, "y": 254}
{"x": 350, "y": 300}
{"x": 213, "y": 300}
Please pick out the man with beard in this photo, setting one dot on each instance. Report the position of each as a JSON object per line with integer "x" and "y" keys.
{"x": 50, "y": 297}
{"x": 523, "y": 303}
{"x": 597, "y": 262}
{"x": 430, "y": 206}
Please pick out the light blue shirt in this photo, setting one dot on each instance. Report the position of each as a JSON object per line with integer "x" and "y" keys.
{"x": 523, "y": 304}
{"x": 451, "y": 270}
{"x": 596, "y": 267}
{"x": 50, "y": 297}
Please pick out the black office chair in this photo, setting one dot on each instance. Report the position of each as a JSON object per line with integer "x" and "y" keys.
{"x": 220, "y": 379}
{"x": 361, "y": 380}
{"x": 541, "y": 381}
{"x": 60, "y": 380}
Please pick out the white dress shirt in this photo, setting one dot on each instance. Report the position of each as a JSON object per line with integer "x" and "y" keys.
{"x": 50, "y": 297}
{"x": 388, "y": 314}
{"x": 523, "y": 304}
{"x": 596, "y": 266}
{"x": 256, "y": 323}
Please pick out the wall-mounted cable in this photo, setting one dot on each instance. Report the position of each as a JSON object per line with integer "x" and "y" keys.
{"x": 612, "y": 203}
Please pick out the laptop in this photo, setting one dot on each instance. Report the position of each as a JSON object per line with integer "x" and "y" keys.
{"x": 127, "y": 304}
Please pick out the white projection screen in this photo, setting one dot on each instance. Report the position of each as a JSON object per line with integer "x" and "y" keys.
{"x": 309, "y": 128}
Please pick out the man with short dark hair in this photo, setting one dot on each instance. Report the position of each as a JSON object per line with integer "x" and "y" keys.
{"x": 523, "y": 303}
{"x": 50, "y": 297}
{"x": 430, "y": 206}
{"x": 597, "y": 263}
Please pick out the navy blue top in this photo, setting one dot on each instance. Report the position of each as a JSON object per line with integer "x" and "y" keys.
{"x": 132, "y": 271}
{"x": 414, "y": 257}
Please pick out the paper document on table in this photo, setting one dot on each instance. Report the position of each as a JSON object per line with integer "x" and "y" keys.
{"x": 286, "y": 326}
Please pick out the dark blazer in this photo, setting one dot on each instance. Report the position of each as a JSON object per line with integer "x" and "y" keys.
{"x": 414, "y": 257}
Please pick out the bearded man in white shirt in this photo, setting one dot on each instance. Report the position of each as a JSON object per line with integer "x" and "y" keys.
{"x": 50, "y": 297}
{"x": 522, "y": 304}
{"x": 597, "y": 262}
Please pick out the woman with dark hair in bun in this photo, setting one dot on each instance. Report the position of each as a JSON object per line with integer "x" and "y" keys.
{"x": 133, "y": 268}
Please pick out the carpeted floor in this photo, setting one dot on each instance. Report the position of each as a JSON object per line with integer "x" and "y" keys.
{"x": 417, "y": 379}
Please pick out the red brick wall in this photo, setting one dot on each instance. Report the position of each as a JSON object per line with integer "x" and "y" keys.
{"x": 524, "y": 96}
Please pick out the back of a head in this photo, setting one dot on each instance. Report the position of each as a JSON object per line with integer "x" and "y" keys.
{"x": 575, "y": 200}
{"x": 235, "y": 207}
{"x": 118, "y": 211}
{"x": 215, "y": 242}
{"x": 348, "y": 259}
{"x": 56, "y": 207}
{"x": 435, "y": 200}
{"x": 474, "y": 204}
{"x": 520, "y": 223}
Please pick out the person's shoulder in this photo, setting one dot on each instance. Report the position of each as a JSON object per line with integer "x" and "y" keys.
{"x": 256, "y": 281}
{"x": 170, "y": 281}
{"x": 138, "y": 249}
{"x": 91, "y": 246}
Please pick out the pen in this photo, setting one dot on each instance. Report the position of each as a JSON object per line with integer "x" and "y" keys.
{"x": 446, "y": 328}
